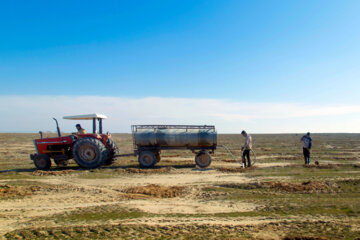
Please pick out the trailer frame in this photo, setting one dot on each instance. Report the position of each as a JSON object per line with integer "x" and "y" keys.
{"x": 201, "y": 152}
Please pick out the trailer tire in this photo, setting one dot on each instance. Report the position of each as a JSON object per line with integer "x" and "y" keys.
{"x": 203, "y": 159}
{"x": 89, "y": 153}
{"x": 112, "y": 150}
{"x": 42, "y": 161}
{"x": 147, "y": 159}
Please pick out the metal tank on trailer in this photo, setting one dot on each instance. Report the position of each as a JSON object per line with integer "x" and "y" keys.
{"x": 149, "y": 140}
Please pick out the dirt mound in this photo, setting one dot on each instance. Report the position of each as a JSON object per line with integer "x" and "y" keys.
{"x": 7, "y": 191}
{"x": 157, "y": 191}
{"x": 52, "y": 173}
{"x": 235, "y": 170}
{"x": 304, "y": 187}
{"x": 148, "y": 171}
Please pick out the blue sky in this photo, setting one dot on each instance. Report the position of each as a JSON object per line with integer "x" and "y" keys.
{"x": 250, "y": 52}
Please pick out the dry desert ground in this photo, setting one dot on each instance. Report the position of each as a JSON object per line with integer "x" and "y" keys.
{"x": 278, "y": 198}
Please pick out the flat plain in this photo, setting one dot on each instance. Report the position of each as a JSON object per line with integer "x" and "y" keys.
{"x": 278, "y": 198}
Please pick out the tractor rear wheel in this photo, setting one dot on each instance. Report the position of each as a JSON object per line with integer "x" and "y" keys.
{"x": 42, "y": 162}
{"x": 203, "y": 159}
{"x": 112, "y": 151}
{"x": 147, "y": 159}
{"x": 89, "y": 153}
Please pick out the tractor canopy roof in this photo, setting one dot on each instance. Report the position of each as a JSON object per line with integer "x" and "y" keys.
{"x": 86, "y": 117}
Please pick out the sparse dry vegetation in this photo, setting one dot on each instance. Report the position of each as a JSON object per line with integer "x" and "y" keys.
{"x": 278, "y": 198}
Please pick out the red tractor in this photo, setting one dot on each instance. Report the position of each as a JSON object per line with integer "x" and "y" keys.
{"x": 90, "y": 150}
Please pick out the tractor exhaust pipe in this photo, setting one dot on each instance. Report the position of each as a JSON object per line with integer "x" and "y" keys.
{"x": 57, "y": 127}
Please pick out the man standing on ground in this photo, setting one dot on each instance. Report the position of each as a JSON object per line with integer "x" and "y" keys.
{"x": 307, "y": 144}
{"x": 246, "y": 149}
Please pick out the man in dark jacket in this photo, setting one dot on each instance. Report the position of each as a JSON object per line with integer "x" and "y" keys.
{"x": 307, "y": 144}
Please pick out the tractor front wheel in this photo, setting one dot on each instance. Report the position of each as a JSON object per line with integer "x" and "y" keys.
{"x": 89, "y": 153}
{"x": 42, "y": 161}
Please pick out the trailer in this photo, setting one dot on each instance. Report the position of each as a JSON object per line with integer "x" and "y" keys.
{"x": 150, "y": 140}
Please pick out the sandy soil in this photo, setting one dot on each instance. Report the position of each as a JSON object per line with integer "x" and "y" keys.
{"x": 166, "y": 193}
{"x": 66, "y": 192}
{"x": 70, "y": 193}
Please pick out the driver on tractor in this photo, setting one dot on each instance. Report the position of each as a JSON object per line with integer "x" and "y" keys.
{"x": 80, "y": 129}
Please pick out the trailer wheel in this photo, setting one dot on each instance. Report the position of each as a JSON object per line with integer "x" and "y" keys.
{"x": 112, "y": 151}
{"x": 203, "y": 159}
{"x": 147, "y": 159}
{"x": 42, "y": 162}
{"x": 89, "y": 153}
